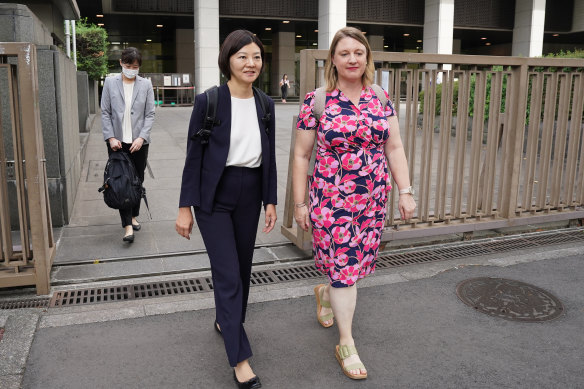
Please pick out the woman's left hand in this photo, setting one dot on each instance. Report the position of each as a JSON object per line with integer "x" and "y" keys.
{"x": 406, "y": 205}
{"x": 136, "y": 145}
{"x": 271, "y": 218}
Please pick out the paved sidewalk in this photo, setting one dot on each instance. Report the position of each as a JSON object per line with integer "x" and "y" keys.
{"x": 410, "y": 328}
{"x": 94, "y": 231}
{"x": 411, "y": 331}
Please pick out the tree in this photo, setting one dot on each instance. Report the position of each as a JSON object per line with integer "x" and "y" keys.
{"x": 91, "y": 49}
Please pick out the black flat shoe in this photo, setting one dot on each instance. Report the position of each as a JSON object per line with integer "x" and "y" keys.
{"x": 217, "y": 328}
{"x": 129, "y": 238}
{"x": 253, "y": 383}
{"x": 136, "y": 227}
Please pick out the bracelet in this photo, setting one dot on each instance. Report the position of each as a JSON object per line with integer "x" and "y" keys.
{"x": 300, "y": 205}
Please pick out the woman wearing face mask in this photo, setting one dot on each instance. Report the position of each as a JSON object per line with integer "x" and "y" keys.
{"x": 127, "y": 115}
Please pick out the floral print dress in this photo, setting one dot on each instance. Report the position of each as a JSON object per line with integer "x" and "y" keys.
{"x": 350, "y": 183}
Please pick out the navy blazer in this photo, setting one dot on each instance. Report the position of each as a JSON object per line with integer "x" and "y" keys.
{"x": 204, "y": 164}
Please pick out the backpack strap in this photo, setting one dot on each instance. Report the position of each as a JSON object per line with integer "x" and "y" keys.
{"x": 265, "y": 105}
{"x": 210, "y": 120}
{"x": 380, "y": 94}
{"x": 317, "y": 111}
{"x": 319, "y": 102}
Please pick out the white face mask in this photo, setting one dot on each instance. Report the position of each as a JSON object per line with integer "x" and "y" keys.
{"x": 130, "y": 73}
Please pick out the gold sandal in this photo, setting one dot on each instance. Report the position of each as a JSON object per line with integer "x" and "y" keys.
{"x": 343, "y": 352}
{"x": 321, "y": 303}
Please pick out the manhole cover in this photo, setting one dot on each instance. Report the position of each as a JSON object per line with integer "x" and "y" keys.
{"x": 509, "y": 299}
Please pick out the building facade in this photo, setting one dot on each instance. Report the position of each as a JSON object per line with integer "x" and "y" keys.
{"x": 183, "y": 36}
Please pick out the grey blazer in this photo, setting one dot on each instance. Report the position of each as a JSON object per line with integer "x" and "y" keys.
{"x": 113, "y": 106}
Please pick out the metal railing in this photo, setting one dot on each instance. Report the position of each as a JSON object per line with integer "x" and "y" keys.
{"x": 29, "y": 262}
{"x": 491, "y": 141}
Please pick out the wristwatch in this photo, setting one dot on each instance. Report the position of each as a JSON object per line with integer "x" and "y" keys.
{"x": 408, "y": 190}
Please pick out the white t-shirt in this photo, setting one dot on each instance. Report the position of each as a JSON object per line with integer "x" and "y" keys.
{"x": 245, "y": 147}
{"x": 127, "y": 136}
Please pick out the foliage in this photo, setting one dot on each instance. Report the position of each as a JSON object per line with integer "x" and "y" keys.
{"x": 473, "y": 84}
{"x": 471, "y": 97}
{"x": 91, "y": 49}
{"x": 438, "y": 107}
{"x": 566, "y": 54}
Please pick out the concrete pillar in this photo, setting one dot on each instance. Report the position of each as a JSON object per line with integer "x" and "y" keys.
{"x": 206, "y": 44}
{"x": 456, "y": 46}
{"x": 376, "y": 42}
{"x": 185, "y": 51}
{"x": 332, "y": 16}
{"x": 528, "y": 30}
{"x": 283, "y": 53}
{"x": 438, "y": 26}
{"x": 578, "y": 18}
{"x": 438, "y": 30}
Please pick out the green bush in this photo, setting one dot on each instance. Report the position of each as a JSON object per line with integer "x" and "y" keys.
{"x": 566, "y": 54}
{"x": 471, "y": 97}
{"x": 439, "y": 99}
{"x": 91, "y": 49}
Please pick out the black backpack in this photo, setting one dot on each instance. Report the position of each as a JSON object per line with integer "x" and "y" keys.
{"x": 210, "y": 120}
{"x": 121, "y": 187}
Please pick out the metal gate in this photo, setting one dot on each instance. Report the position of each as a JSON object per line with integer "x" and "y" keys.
{"x": 26, "y": 258}
{"x": 498, "y": 142}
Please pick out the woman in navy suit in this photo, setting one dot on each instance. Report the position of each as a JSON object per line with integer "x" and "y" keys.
{"x": 225, "y": 180}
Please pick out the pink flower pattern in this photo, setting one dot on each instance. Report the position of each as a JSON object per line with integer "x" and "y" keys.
{"x": 350, "y": 182}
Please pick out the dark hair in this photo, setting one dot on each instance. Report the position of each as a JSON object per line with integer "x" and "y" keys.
{"x": 131, "y": 54}
{"x": 232, "y": 44}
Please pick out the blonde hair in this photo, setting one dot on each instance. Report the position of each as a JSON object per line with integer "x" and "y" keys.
{"x": 330, "y": 72}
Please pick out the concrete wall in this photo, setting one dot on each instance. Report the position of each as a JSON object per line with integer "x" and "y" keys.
{"x": 19, "y": 24}
{"x": 58, "y": 110}
{"x": 60, "y": 122}
{"x": 93, "y": 97}
{"x": 83, "y": 100}
{"x": 57, "y": 82}
{"x": 50, "y": 16}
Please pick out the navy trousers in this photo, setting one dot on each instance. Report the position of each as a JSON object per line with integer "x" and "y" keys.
{"x": 229, "y": 233}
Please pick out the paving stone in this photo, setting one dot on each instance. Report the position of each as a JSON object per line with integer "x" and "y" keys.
{"x": 186, "y": 262}
{"x": 19, "y": 331}
{"x": 289, "y": 252}
{"x": 103, "y": 246}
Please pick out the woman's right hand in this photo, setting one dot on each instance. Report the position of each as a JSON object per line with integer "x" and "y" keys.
{"x": 115, "y": 144}
{"x": 302, "y": 217}
{"x": 184, "y": 222}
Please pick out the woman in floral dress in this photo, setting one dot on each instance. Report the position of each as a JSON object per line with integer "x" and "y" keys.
{"x": 358, "y": 141}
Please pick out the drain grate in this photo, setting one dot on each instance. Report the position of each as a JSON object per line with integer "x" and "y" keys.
{"x": 479, "y": 248}
{"x": 296, "y": 273}
{"x": 555, "y": 238}
{"x": 304, "y": 272}
{"x": 499, "y": 246}
{"x": 28, "y": 303}
{"x": 130, "y": 292}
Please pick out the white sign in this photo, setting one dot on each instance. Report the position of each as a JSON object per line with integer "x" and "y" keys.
{"x": 186, "y": 78}
{"x": 385, "y": 80}
{"x": 167, "y": 81}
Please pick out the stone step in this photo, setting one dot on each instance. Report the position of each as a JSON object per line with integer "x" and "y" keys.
{"x": 157, "y": 265}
